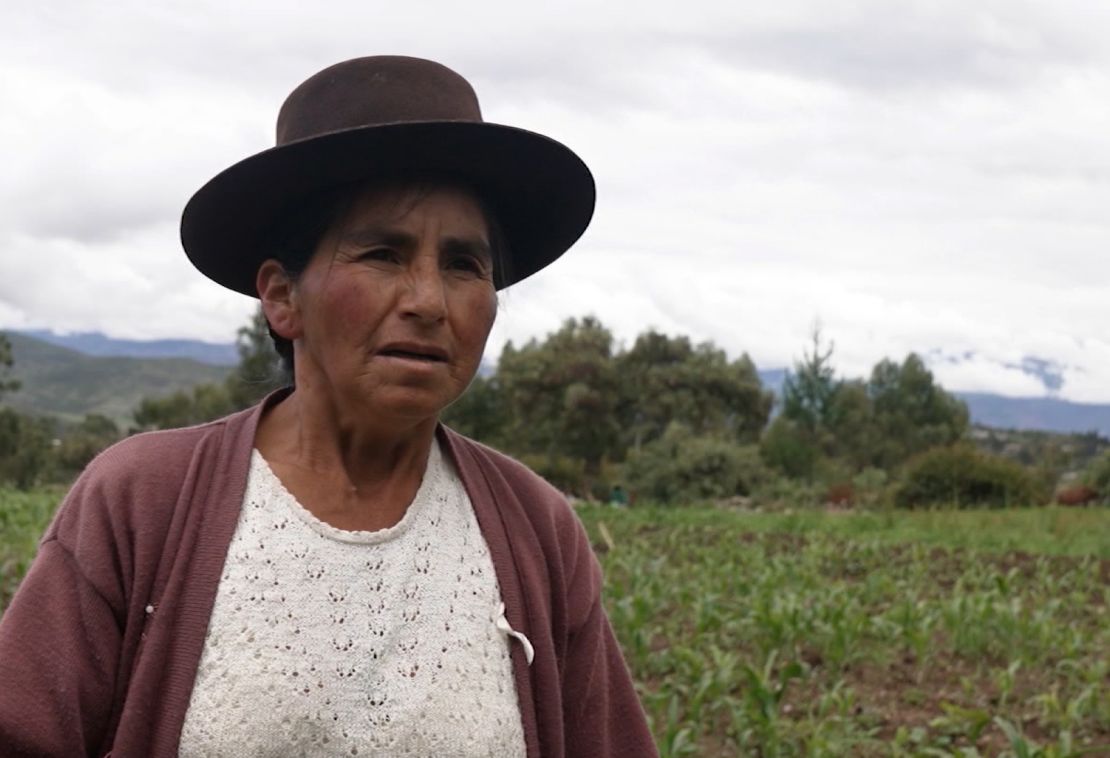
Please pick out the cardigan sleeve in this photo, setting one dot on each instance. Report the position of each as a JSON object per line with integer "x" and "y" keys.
{"x": 601, "y": 708}
{"x": 66, "y": 636}
{"x": 59, "y": 643}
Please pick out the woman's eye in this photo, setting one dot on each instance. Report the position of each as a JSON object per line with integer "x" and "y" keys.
{"x": 467, "y": 264}
{"x": 383, "y": 254}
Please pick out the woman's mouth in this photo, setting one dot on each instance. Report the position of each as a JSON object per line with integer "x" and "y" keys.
{"x": 426, "y": 354}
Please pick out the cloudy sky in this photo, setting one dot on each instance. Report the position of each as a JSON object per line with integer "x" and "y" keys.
{"x": 914, "y": 176}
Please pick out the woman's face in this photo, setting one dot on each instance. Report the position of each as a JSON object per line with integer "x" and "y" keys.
{"x": 396, "y": 303}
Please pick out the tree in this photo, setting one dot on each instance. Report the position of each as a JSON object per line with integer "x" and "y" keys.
{"x": 663, "y": 380}
{"x": 204, "y": 403}
{"x": 803, "y": 435}
{"x": 561, "y": 394}
{"x": 81, "y": 443}
{"x": 7, "y": 384}
{"x": 851, "y": 424}
{"x": 809, "y": 390}
{"x": 260, "y": 370}
{"x": 25, "y": 444}
{"x": 480, "y": 413}
{"x": 911, "y": 412}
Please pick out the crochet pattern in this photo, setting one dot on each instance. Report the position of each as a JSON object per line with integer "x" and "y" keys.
{"x": 331, "y": 642}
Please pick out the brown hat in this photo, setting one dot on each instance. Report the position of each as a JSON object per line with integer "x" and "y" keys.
{"x": 389, "y": 116}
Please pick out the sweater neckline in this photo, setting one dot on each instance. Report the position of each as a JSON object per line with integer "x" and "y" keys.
{"x": 264, "y": 482}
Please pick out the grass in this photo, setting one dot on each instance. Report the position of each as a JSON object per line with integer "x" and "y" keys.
{"x": 904, "y": 634}
{"x": 937, "y": 633}
{"x": 1048, "y": 531}
{"x": 23, "y": 518}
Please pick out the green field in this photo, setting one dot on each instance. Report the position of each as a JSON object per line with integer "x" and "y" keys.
{"x": 902, "y": 634}
{"x": 817, "y": 634}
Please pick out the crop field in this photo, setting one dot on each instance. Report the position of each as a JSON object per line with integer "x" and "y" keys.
{"x": 830, "y": 635}
{"x": 23, "y": 518}
{"x": 813, "y": 634}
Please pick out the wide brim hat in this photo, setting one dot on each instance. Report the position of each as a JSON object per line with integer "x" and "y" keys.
{"x": 389, "y": 117}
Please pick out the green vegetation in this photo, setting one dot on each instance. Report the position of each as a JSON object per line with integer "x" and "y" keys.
{"x": 665, "y": 419}
{"x": 23, "y": 519}
{"x": 829, "y": 635}
{"x": 964, "y": 477}
{"x": 897, "y": 633}
{"x": 894, "y": 621}
{"x": 7, "y": 384}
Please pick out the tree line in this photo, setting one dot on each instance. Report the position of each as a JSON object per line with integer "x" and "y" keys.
{"x": 663, "y": 419}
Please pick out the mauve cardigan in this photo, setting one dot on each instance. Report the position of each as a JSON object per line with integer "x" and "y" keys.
{"x": 100, "y": 645}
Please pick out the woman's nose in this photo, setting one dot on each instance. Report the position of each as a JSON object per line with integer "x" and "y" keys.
{"x": 424, "y": 296}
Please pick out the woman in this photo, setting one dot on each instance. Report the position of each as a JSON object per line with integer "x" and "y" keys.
{"x": 333, "y": 572}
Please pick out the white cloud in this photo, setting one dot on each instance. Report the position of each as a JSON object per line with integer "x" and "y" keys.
{"x": 920, "y": 177}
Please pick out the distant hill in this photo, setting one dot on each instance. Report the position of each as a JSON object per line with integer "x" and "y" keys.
{"x": 62, "y": 382}
{"x": 95, "y": 343}
{"x": 1043, "y": 413}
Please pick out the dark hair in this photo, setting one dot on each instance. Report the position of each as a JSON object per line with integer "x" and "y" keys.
{"x": 295, "y": 238}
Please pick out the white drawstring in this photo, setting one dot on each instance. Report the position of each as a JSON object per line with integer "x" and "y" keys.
{"x": 503, "y": 625}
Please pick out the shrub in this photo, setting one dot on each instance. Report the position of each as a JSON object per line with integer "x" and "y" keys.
{"x": 963, "y": 477}
{"x": 790, "y": 449}
{"x": 871, "y": 487}
{"x": 80, "y": 443}
{"x": 779, "y": 493}
{"x": 25, "y": 446}
{"x": 567, "y": 474}
{"x": 680, "y": 467}
{"x": 1097, "y": 475}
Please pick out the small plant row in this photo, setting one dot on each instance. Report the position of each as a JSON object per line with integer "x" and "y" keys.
{"x": 812, "y": 644}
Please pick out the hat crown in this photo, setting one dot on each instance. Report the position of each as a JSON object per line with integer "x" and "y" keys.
{"x": 374, "y": 91}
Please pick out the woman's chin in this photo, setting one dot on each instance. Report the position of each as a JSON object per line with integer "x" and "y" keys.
{"x": 405, "y": 404}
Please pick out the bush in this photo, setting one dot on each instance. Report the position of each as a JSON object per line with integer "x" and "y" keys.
{"x": 680, "y": 467}
{"x": 25, "y": 447}
{"x": 963, "y": 477}
{"x": 1097, "y": 475}
{"x": 81, "y": 443}
{"x": 780, "y": 493}
{"x": 790, "y": 449}
{"x": 566, "y": 474}
{"x": 871, "y": 487}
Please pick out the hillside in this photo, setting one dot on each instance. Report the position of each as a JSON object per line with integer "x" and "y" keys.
{"x": 1043, "y": 413}
{"x": 97, "y": 344}
{"x": 61, "y": 382}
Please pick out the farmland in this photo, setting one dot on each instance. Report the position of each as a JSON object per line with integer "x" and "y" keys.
{"x": 816, "y": 634}
{"x": 824, "y": 634}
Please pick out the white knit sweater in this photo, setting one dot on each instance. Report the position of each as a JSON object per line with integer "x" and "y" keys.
{"x": 331, "y": 642}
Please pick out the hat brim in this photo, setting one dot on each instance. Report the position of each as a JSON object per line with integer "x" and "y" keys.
{"x": 542, "y": 193}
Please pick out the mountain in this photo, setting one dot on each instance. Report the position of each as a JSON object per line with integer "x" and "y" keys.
{"x": 95, "y": 343}
{"x": 773, "y": 379}
{"x": 1042, "y": 413}
{"x": 62, "y": 382}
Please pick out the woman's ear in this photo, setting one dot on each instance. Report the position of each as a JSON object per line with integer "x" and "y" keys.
{"x": 276, "y": 291}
